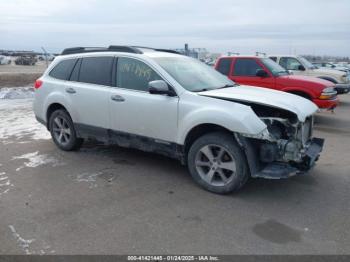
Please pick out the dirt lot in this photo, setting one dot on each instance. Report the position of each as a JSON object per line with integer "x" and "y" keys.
{"x": 20, "y": 75}
{"x": 109, "y": 200}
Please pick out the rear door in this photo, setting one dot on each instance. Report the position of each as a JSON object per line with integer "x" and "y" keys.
{"x": 88, "y": 91}
{"x": 244, "y": 72}
{"x": 134, "y": 111}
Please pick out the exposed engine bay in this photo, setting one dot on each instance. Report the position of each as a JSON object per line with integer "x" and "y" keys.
{"x": 284, "y": 144}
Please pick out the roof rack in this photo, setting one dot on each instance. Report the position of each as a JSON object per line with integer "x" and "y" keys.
{"x": 113, "y": 48}
{"x": 159, "y": 49}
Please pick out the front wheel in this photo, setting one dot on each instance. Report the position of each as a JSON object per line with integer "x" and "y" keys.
{"x": 63, "y": 132}
{"x": 217, "y": 163}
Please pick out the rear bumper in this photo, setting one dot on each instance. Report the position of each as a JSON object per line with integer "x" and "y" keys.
{"x": 278, "y": 170}
{"x": 342, "y": 88}
{"x": 326, "y": 103}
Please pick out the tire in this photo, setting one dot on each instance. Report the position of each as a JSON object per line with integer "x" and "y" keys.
{"x": 222, "y": 171}
{"x": 63, "y": 132}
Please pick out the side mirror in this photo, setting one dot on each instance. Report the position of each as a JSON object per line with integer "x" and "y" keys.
{"x": 301, "y": 68}
{"x": 160, "y": 87}
{"x": 261, "y": 73}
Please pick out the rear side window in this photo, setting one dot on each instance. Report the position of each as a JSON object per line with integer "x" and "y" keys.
{"x": 96, "y": 70}
{"x": 273, "y": 58}
{"x": 224, "y": 66}
{"x": 63, "y": 69}
{"x": 134, "y": 74}
{"x": 75, "y": 73}
{"x": 246, "y": 67}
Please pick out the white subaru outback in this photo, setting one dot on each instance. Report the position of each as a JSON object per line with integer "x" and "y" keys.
{"x": 159, "y": 101}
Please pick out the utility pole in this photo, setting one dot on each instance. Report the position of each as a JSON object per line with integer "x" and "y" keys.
{"x": 46, "y": 59}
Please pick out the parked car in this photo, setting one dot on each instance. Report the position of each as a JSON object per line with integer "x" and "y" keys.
{"x": 298, "y": 65}
{"x": 25, "y": 60}
{"x": 177, "y": 106}
{"x": 263, "y": 72}
{"x": 44, "y": 57}
{"x": 4, "y": 60}
{"x": 331, "y": 66}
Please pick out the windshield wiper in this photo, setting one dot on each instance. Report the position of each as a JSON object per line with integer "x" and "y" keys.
{"x": 226, "y": 86}
{"x": 208, "y": 89}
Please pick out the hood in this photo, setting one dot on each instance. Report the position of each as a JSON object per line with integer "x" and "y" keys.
{"x": 292, "y": 79}
{"x": 329, "y": 72}
{"x": 301, "y": 107}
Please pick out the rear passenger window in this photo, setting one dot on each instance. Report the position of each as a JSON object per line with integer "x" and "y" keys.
{"x": 75, "y": 73}
{"x": 246, "y": 67}
{"x": 224, "y": 66}
{"x": 134, "y": 74}
{"x": 63, "y": 69}
{"x": 96, "y": 70}
{"x": 273, "y": 58}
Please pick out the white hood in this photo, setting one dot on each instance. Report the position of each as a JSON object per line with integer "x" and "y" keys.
{"x": 295, "y": 104}
{"x": 327, "y": 71}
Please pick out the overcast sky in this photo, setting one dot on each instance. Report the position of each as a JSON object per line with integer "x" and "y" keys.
{"x": 245, "y": 26}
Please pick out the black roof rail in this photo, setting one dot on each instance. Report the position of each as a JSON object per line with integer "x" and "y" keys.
{"x": 159, "y": 49}
{"x": 113, "y": 48}
{"x": 127, "y": 49}
{"x": 168, "y": 51}
{"x": 75, "y": 50}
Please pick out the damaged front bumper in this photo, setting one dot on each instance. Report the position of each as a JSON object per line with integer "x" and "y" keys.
{"x": 277, "y": 170}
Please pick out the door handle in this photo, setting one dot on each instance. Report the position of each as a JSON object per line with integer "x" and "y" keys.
{"x": 70, "y": 90}
{"x": 117, "y": 98}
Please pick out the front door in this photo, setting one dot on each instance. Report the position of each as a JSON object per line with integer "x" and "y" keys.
{"x": 244, "y": 72}
{"x": 134, "y": 112}
{"x": 293, "y": 65}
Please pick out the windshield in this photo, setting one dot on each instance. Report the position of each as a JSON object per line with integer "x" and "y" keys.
{"x": 192, "y": 74}
{"x": 275, "y": 68}
{"x": 306, "y": 63}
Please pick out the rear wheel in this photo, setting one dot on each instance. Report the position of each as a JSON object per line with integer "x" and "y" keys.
{"x": 63, "y": 132}
{"x": 217, "y": 163}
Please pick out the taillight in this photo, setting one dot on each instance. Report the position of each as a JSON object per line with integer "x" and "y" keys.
{"x": 38, "y": 83}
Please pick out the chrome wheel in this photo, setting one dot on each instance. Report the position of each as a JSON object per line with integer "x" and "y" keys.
{"x": 215, "y": 165}
{"x": 61, "y": 130}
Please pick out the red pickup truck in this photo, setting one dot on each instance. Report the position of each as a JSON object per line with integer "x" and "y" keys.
{"x": 264, "y": 72}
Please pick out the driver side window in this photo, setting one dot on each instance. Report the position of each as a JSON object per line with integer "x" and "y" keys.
{"x": 134, "y": 74}
{"x": 290, "y": 63}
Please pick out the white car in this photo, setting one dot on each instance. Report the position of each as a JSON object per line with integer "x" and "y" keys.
{"x": 328, "y": 65}
{"x": 5, "y": 60}
{"x": 167, "y": 103}
{"x": 298, "y": 65}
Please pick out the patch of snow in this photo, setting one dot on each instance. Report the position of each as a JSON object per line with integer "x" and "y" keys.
{"x": 5, "y": 184}
{"x": 87, "y": 177}
{"x": 35, "y": 160}
{"x": 22, "y": 243}
{"x": 16, "y": 92}
{"x": 18, "y": 122}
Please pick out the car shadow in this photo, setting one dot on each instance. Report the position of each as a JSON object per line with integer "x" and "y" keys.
{"x": 282, "y": 189}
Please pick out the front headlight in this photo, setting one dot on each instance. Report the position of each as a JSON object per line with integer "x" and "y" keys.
{"x": 328, "y": 93}
{"x": 345, "y": 78}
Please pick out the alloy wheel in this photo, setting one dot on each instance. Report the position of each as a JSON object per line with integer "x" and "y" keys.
{"x": 61, "y": 130}
{"x": 215, "y": 165}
